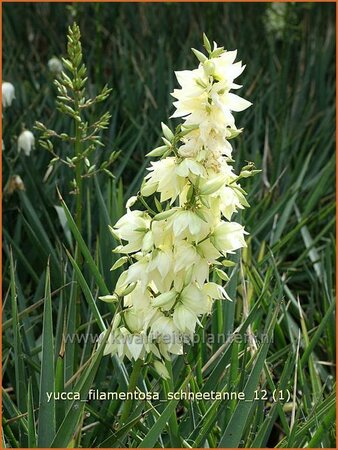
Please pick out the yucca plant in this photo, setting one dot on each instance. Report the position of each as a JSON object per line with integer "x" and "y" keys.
{"x": 274, "y": 343}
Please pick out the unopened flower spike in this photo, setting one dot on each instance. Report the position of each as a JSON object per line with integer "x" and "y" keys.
{"x": 174, "y": 252}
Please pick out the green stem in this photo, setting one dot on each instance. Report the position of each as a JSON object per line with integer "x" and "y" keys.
{"x": 132, "y": 385}
{"x": 145, "y": 204}
{"x": 199, "y": 358}
{"x": 174, "y": 433}
{"x": 78, "y": 213}
{"x": 78, "y": 174}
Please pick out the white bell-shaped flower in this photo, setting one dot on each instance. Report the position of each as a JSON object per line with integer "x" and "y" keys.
{"x": 8, "y": 94}
{"x": 26, "y": 142}
{"x": 55, "y": 65}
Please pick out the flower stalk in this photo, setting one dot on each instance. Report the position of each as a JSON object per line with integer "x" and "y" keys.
{"x": 78, "y": 172}
{"x": 84, "y": 138}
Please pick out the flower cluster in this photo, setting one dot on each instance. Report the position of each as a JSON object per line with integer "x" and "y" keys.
{"x": 26, "y": 140}
{"x": 173, "y": 253}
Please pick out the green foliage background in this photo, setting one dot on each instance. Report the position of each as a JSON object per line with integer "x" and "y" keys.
{"x": 282, "y": 285}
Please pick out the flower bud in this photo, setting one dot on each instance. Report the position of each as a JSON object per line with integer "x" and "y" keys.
{"x": 128, "y": 289}
{"x": 168, "y": 134}
{"x": 165, "y": 214}
{"x": 121, "y": 283}
{"x": 161, "y": 370}
{"x": 158, "y": 151}
{"x": 165, "y": 299}
{"x": 119, "y": 262}
{"x": 246, "y": 173}
{"x": 109, "y": 298}
{"x": 209, "y": 67}
{"x": 212, "y": 185}
{"x": 131, "y": 201}
{"x": 199, "y": 55}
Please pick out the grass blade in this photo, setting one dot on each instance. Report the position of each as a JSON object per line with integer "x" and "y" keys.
{"x": 31, "y": 417}
{"x": 84, "y": 249}
{"x": 19, "y": 368}
{"x": 87, "y": 293}
{"x": 46, "y": 429}
{"x": 152, "y": 436}
{"x": 65, "y": 433}
{"x": 234, "y": 430}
